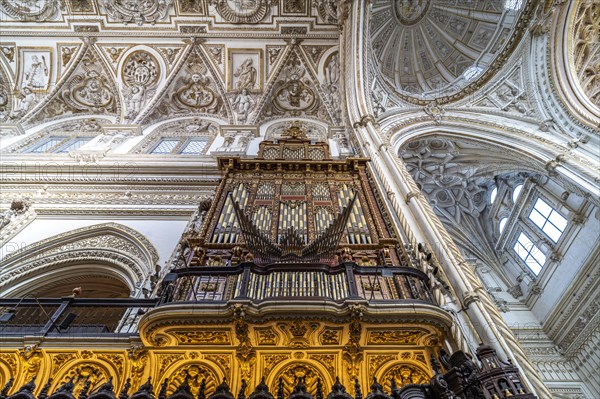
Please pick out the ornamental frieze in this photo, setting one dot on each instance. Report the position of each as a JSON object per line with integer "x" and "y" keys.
{"x": 398, "y": 337}
{"x": 202, "y": 337}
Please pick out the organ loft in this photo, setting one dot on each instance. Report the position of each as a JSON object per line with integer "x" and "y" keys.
{"x": 299, "y": 199}
{"x": 292, "y": 282}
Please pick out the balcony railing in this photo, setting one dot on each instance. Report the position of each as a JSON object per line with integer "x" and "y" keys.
{"x": 81, "y": 317}
{"x": 71, "y": 316}
{"x": 281, "y": 282}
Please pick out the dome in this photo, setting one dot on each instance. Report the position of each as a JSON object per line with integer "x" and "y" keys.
{"x": 433, "y": 49}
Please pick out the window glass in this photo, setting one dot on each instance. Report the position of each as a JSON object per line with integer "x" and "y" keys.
{"x": 195, "y": 146}
{"x": 493, "y": 195}
{"x": 516, "y": 192}
{"x": 513, "y": 4}
{"x": 533, "y": 257}
{"x": 74, "y": 144}
{"x": 46, "y": 145}
{"x": 165, "y": 146}
{"x": 502, "y": 224}
{"x": 548, "y": 219}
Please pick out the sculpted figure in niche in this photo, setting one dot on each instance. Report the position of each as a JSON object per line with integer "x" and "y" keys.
{"x": 246, "y": 74}
{"x": 242, "y": 104}
{"x": 332, "y": 71}
{"x": 36, "y": 75}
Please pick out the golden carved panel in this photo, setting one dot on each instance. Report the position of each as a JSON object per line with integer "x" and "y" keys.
{"x": 270, "y": 361}
{"x": 196, "y": 373}
{"x": 266, "y": 336}
{"x": 82, "y": 373}
{"x": 202, "y": 337}
{"x": 404, "y": 374}
{"x": 330, "y": 336}
{"x": 396, "y": 337}
{"x": 290, "y": 373}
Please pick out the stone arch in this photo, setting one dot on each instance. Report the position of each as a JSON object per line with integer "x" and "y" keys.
{"x": 181, "y": 127}
{"x": 291, "y": 369}
{"x": 569, "y": 55}
{"x": 108, "y": 249}
{"x": 525, "y": 149}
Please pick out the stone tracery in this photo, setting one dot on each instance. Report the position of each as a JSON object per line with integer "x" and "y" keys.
{"x": 586, "y": 50}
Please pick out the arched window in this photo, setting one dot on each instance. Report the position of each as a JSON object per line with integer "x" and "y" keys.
{"x": 517, "y": 192}
{"x": 493, "y": 195}
{"x": 502, "y": 224}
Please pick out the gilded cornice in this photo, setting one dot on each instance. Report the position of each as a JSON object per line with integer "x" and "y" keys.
{"x": 157, "y": 323}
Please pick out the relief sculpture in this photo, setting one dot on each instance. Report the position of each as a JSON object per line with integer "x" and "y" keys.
{"x": 141, "y": 74}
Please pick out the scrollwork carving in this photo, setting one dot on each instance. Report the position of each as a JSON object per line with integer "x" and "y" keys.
{"x": 30, "y": 10}
{"x": 586, "y": 51}
{"x": 195, "y": 375}
{"x": 404, "y": 374}
{"x": 242, "y": 12}
{"x": 138, "y": 11}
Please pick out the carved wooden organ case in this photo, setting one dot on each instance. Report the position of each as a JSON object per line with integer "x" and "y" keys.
{"x": 299, "y": 218}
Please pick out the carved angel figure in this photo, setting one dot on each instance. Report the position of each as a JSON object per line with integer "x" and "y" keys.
{"x": 135, "y": 97}
{"x": 242, "y": 104}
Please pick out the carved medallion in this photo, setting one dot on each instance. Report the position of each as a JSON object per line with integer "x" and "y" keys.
{"x": 243, "y": 11}
{"x": 196, "y": 93}
{"x": 141, "y": 73}
{"x": 294, "y": 90}
{"x": 141, "y": 68}
{"x": 138, "y": 11}
{"x": 89, "y": 91}
{"x": 30, "y": 10}
{"x": 409, "y": 12}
